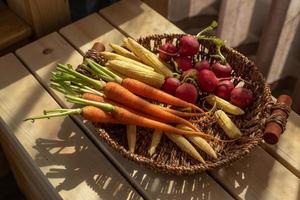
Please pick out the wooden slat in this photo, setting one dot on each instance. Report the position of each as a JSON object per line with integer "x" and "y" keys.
{"x": 67, "y": 158}
{"x": 277, "y": 37}
{"x": 260, "y": 155}
{"x": 259, "y": 176}
{"x": 12, "y": 28}
{"x": 85, "y": 32}
{"x": 160, "y": 186}
{"x": 133, "y": 15}
{"x": 235, "y": 20}
{"x": 44, "y": 16}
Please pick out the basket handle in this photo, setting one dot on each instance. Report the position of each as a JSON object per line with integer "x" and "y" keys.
{"x": 275, "y": 124}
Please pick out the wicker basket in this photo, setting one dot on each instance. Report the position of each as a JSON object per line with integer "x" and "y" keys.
{"x": 168, "y": 157}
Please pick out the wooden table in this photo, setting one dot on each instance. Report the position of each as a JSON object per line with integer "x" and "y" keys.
{"x": 63, "y": 158}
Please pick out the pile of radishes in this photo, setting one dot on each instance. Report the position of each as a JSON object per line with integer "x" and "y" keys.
{"x": 213, "y": 78}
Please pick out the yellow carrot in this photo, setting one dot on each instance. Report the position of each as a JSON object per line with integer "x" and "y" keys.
{"x": 113, "y": 56}
{"x": 199, "y": 142}
{"x": 131, "y": 137}
{"x": 128, "y": 69}
{"x": 124, "y": 52}
{"x": 148, "y": 57}
{"x": 185, "y": 146}
{"x": 156, "y": 137}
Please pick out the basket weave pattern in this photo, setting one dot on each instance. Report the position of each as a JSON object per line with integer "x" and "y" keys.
{"x": 168, "y": 157}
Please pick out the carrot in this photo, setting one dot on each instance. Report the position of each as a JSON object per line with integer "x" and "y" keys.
{"x": 120, "y": 94}
{"x": 144, "y": 90}
{"x": 97, "y": 112}
{"x": 94, "y": 114}
{"x": 95, "y": 97}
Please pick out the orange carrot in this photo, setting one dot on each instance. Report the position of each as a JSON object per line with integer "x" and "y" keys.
{"x": 121, "y": 95}
{"x": 144, "y": 90}
{"x": 95, "y": 114}
{"x": 94, "y": 97}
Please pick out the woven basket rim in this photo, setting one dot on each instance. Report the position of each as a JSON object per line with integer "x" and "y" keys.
{"x": 179, "y": 170}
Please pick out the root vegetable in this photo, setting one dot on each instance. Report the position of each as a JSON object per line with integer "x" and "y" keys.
{"x": 241, "y": 97}
{"x": 170, "y": 85}
{"x": 188, "y": 45}
{"x": 187, "y": 92}
{"x": 207, "y": 80}
{"x": 221, "y": 71}
{"x": 184, "y": 63}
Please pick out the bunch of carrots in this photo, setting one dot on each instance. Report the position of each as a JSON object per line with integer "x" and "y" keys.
{"x": 118, "y": 98}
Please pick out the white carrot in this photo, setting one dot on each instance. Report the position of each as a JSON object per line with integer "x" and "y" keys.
{"x": 156, "y": 137}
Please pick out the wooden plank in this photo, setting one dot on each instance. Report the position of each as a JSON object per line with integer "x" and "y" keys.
{"x": 85, "y": 32}
{"x": 67, "y": 158}
{"x": 44, "y": 16}
{"x": 259, "y": 176}
{"x": 12, "y": 28}
{"x": 133, "y": 15}
{"x": 235, "y": 20}
{"x": 277, "y": 37}
{"x": 288, "y": 32}
{"x": 29, "y": 177}
{"x": 152, "y": 182}
{"x": 260, "y": 155}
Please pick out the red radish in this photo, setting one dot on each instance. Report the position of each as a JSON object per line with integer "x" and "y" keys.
{"x": 188, "y": 45}
{"x": 221, "y": 71}
{"x": 241, "y": 97}
{"x": 187, "y": 92}
{"x": 204, "y": 64}
{"x": 184, "y": 63}
{"x": 167, "y": 51}
{"x": 207, "y": 80}
{"x": 223, "y": 89}
{"x": 170, "y": 85}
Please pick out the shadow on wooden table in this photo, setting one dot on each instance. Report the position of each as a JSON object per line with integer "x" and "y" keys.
{"x": 249, "y": 177}
{"x": 69, "y": 156}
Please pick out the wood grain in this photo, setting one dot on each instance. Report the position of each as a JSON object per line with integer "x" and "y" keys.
{"x": 44, "y": 16}
{"x": 136, "y": 18}
{"x": 12, "y": 28}
{"x": 235, "y": 20}
{"x": 259, "y": 176}
{"x": 260, "y": 156}
{"x": 84, "y": 33}
{"x": 158, "y": 185}
{"x": 66, "y": 157}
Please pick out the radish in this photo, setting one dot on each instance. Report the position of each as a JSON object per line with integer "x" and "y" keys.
{"x": 184, "y": 63}
{"x": 204, "y": 64}
{"x": 167, "y": 51}
{"x": 221, "y": 71}
{"x": 241, "y": 97}
{"x": 207, "y": 80}
{"x": 170, "y": 85}
{"x": 187, "y": 92}
{"x": 188, "y": 45}
{"x": 223, "y": 89}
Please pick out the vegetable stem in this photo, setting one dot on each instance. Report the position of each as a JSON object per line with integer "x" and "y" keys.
{"x": 56, "y": 113}
{"x": 97, "y": 84}
{"x": 103, "y": 106}
{"x": 102, "y": 70}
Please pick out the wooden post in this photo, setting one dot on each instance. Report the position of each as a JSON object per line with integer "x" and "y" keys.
{"x": 43, "y": 15}
{"x": 277, "y": 37}
{"x": 235, "y": 20}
